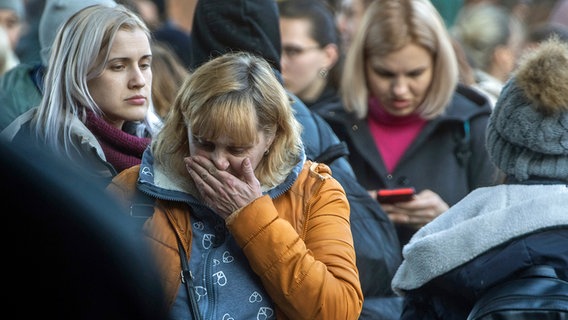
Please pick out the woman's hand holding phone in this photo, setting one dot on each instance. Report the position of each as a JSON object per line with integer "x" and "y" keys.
{"x": 395, "y": 195}
{"x": 417, "y": 211}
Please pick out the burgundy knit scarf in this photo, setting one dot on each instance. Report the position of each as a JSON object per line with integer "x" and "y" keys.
{"x": 121, "y": 149}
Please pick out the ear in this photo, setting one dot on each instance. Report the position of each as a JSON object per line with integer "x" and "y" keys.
{"x": 331, "y": 55}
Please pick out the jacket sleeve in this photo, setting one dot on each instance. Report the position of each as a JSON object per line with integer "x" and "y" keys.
{"x": 312, "y": 275}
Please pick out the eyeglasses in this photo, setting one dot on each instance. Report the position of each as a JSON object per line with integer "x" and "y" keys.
{"x": 294, "y": 51}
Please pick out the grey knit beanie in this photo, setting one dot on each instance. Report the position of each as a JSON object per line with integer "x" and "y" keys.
{"x": 55, "y": 14}
{"x": 527, "y": 134}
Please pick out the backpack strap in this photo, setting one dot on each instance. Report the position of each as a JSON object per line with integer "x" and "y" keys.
{"x": 536, "y": 293}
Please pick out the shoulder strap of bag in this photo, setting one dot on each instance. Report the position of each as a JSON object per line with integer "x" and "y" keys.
{"x": 536, "y": 293}
{"x": 187, "y": 280}
{"x": 141, "y": 209}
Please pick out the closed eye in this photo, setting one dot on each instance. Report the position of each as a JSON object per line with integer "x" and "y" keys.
{"x": 237, "y": 151}
{"x": 383, "y": 73}
{"x": 416, "y": 73}
{"x": 202, "y": 144}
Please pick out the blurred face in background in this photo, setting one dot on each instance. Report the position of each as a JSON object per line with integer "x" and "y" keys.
{"x": 401, "y": 79}
{"x": 122, "y": 91}
{"x": 12, "y": 24}
{"x": 303, "y": 59}
{"x": 348, "y": 20}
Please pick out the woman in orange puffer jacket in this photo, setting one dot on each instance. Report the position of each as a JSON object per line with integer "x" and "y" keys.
{"x": 266, "y": 232}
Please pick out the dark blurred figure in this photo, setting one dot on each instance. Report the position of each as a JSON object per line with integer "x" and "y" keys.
{"x": 79, "y": 257}
{"x": 349, "y": 15}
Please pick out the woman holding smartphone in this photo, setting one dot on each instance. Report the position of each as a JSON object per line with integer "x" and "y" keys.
{"x": 407, "y": 122}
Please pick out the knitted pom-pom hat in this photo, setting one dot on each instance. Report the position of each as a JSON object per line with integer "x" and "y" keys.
{"x": 527, "y": 135}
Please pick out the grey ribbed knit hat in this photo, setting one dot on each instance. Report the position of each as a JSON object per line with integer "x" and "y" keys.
{"x": 527, "y": 133}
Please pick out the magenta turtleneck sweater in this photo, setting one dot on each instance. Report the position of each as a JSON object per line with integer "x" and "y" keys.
{"x": 392, "y": 134}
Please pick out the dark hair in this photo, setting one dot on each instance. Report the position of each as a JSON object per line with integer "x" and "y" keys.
{"x": 319, "y": 13}
{"x": 323, "y": 29}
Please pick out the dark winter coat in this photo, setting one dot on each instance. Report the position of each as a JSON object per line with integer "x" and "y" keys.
{"x": 448, "y": 156}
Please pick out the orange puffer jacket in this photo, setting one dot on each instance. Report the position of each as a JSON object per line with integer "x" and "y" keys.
{"x": 299, "y": 244}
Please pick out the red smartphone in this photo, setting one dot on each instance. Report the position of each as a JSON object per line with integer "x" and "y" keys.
{"x": 395, "y": 195}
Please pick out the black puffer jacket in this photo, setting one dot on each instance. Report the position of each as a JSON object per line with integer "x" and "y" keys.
{"x": 252, "y": 25}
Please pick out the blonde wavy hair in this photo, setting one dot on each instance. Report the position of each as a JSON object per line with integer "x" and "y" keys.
{"x": 235, "y": 94}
